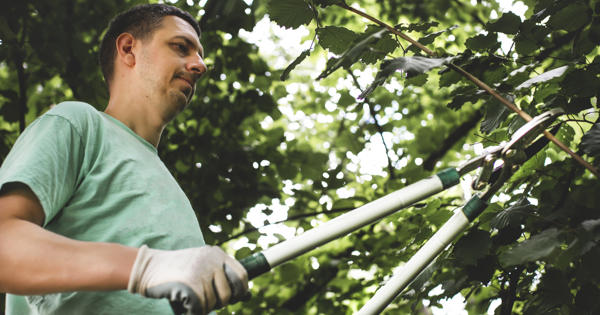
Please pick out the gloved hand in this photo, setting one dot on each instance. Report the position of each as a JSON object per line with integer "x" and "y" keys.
{"x": 194, "y": 280}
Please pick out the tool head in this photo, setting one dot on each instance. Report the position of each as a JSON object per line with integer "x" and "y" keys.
{"x": 520, "y": 149}
{"x": 516, "y": 151}
{"x": 531, "y": 130}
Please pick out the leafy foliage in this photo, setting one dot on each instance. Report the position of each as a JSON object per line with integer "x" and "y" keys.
{"x": 262, "y": 160}
{"x": 591, "y": 141}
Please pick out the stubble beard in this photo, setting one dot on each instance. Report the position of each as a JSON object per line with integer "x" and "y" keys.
{"x": 178, "y": 102}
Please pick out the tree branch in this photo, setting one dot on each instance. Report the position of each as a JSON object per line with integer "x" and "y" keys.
{"x": 22, "y": 77}
{"x": 509, "y": 294}
{"x": 479, "y": 84}
{"x": 455, "y": 136}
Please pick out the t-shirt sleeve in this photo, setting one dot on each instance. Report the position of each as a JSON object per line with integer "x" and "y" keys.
{"x": 47, "y": 157}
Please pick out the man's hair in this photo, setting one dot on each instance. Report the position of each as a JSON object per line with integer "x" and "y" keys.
{"x": 140, "y": 21}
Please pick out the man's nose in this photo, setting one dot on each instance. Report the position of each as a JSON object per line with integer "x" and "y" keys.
{"x": 196, "y": 65}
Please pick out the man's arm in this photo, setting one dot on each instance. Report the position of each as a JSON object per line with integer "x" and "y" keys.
{"x": 36, "y": 261}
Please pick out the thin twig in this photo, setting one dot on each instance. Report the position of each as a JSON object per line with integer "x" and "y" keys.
{"x": 378, "y": 126}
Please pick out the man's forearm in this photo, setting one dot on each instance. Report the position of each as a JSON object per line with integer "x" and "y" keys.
{"x": 36, "y": 261}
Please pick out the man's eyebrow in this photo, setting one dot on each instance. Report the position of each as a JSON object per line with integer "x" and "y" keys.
{"x": 191, "y": 43}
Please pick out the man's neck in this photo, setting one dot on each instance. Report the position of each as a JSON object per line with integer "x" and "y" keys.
{"x": 138, "y": 117}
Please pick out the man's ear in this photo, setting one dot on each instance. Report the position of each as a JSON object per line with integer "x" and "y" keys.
{"x": 125, "y": 53}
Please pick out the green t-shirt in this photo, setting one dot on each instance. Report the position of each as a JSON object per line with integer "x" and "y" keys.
{"x": 98, "y": 181}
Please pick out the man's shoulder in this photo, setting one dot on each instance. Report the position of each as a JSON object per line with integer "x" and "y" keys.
{"x": 73, "y": 109}
{"x": 79, "y": 114}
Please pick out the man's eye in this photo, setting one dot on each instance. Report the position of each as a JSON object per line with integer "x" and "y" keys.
{"x": 181, "y": 47}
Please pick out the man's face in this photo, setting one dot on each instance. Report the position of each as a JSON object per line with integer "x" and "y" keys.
{"x": 170, "y": 63}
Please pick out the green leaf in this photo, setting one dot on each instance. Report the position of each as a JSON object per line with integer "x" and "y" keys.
{"x": 473, "y": 246}
{"x": 289, "y": 272}
{"x": 351, "y": 55}
{"x": 525, "y": 46}
{"x": 513, "y": 215}
{"x": 570, "y": 18}
{"x": 483, "y": 42}
{"x": 290, "y": 13}
{"x": 581, "y": 83}
{"x": 590, "y": 142}
{"x": 449, "y": 77}
{"x": 10, "y": 111}
{"x": 508, "y": 23}
{"x": 530, "y": 38}
{"x": 536, "y": 247}
{"x": 439, "y": 217}
{"x": 565, "y": 134}
{"x": 544, "y": 77}
{"x": 463, "y": 95}
{"x": 411, "y": 65}
{"x": 286, "y": 73}
{"x": 583, "y": 43}
{"x": 379, "y": 50}
{"x": 346, "y": 99}
{"x": 495, "y": 114}
{"x": 336, "y": 39}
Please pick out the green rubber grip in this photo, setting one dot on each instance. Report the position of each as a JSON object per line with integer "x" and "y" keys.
{"x": 449, "y": 177}
{"x": 474, "y": 207}
{"x": 255, "y": 264}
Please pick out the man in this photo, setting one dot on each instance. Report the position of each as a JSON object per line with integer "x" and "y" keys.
{"x": 87, "y": 209}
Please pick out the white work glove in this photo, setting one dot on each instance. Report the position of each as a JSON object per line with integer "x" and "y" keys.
{"x": 194, "y": 280}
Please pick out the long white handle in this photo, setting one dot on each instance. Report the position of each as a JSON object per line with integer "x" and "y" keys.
{"x": 400, "y": 280}
{"x": 353, "y": 220}
{"x": 415, "y": 265}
